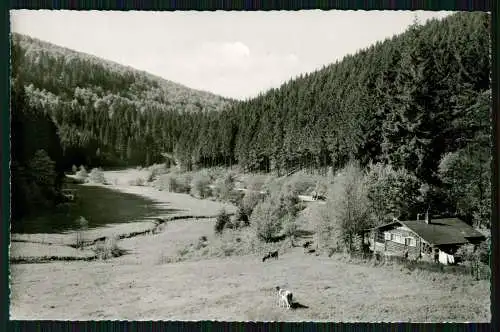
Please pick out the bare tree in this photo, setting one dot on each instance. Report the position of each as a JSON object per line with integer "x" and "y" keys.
{"x": 346, "y": 213}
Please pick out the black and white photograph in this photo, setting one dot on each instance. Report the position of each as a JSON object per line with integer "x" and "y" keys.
{"x": 317, "y": 166}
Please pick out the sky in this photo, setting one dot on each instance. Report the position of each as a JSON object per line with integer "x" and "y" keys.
{"x": 233, "y": 54}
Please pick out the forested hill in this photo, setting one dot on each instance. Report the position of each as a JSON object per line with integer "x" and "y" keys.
{"x": 418, "y": 102}
{"x": 105, "y": 112}
{"x": 70, "y": 108}
{"x": 407, "y": 101}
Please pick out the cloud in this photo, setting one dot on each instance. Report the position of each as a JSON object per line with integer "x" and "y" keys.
{"x": 229, "y": 55}
{"x": 237, "y": 49}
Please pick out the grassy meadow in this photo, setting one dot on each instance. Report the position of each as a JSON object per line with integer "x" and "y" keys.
{"x": 184, "y": 270}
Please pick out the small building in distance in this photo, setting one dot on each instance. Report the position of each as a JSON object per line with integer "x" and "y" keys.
{"x": 428, "y": 239}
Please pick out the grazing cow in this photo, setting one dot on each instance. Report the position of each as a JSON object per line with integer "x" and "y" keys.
{"x": 317, "y": 196}
{"x": 271, "y": 254}
{"x": 285, "y": 297}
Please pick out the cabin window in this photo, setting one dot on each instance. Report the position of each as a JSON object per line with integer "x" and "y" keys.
{"x": 409, "y": 241}
{"x": 388, "y": 236}
{"x": 397, "y": 238}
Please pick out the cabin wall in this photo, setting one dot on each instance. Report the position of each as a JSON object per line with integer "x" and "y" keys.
{"x": 381, "y": 242}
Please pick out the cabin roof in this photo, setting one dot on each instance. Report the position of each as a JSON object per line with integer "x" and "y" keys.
{"x": 439, "y": 231}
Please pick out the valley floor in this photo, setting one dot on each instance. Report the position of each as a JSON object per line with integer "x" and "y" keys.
{"x": 142, "y": 286}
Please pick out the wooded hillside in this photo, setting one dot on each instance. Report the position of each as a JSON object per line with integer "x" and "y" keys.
{"x": 407, "y": 100}
{"x": 106, "y": 113}
{"x": 70, "y": 108}
{"x": 419, "y": 101}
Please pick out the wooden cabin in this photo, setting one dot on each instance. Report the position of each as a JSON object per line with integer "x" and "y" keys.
{"x": 430, "y": 240}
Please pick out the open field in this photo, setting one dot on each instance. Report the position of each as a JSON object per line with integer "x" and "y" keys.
{"x": 145, "y": 285}
{"x": 239, "y": 288}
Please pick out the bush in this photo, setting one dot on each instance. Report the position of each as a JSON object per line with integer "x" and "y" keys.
{"x": 155, "y": 171}
{"x": 243, "y": 216}
{"x": 266, "y": 221}
{"x": 137, "y": 182}
{"x": 202, "y": 242}
{"x": 97, "y": 176}
{"x": 290, "y": 227}
{"x": 184, "y": 183}
{"x": 274, "y": 185}
{"x": 301, "y": 183}
{"x": 224, "y": 187}
{"x": 162, "y": 183}
{"x": 346, "y": 213}
{"x": 108, "y": 249}
{"x": 200, "y": 186}
{"x": 475, "y": 257}
{"x": 270, "y": 215}
{"x": 74, "y": 169}
{"x": 256, "y": 182}
{"x": 222, "y": 220}
{"x": 288, "y": 201}
{"x": 174, "y": 182}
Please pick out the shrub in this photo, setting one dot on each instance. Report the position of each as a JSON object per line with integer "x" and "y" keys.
{"x": 174, "y": 182}
{"x": 475, "y": 257}
{"x": 302, "y": 183}
{"x": 290, "y": 227}
{"x": 275, "y": 211}
{"x": 274, "y": 185}
{"x": 150, "y": 177}
{"x": 97, "y": 176}
{"x": 256, "y": 182}
{"x": 200, "y": 186}
{"x": 222, "y": 220}
{"x": 266, "y": 221}
{"x": 182, "y": 252}
{"x": 242, "y": 215}
{"x": 224, "y": 187}
{"x": 82, "y": 173}
{"x": 288, "y": 201}
{"x": 347, "y": 210}
{"x": 137, "y": 182}
{"x": 236, "y": 223}
{"x": 108, "y": 249}
{"x": 328, "y": 233}
{"x": 202, "y": 242}
{"x": 156, "y": 170}
{"x": 74, "y": 169}
{"x": 250, "y": 201}
{"x": 184, "y": 183}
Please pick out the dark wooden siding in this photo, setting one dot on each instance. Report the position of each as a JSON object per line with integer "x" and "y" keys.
{"x": 395, "y": 248}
